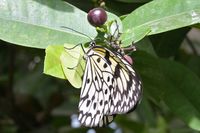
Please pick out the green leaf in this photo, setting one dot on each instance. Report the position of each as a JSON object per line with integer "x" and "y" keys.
{"x": 65, "y": 64}
{"x": 73, "y": 65}
{"x": 172, "y": 83}
{"x": 159, "y": 16}
{"x": 52, "y": 65}
{"x": 186, "y": 90}
{"x": 38, "y": 23}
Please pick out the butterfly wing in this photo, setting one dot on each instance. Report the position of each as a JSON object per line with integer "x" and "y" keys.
{"x": 127, "y": 88}
{"x": 94, "y": 97}
{"x": 110, "y": 86}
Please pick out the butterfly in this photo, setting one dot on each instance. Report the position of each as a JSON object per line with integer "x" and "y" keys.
{"x": 110, "y": 86}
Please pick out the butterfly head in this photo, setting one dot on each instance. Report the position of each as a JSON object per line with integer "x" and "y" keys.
{"x": 92, "y": 43}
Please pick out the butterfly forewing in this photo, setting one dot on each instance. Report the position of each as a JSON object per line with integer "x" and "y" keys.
{"x": 93, "y": 100}
{"x": 110, "y": 86}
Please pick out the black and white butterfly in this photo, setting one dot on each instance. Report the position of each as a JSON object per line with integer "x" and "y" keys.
{"x": 110, "y": 86}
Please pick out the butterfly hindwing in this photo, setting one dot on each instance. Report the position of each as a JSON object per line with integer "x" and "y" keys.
{"x": 128, "y": 88}
{"x": 110, "y": 86}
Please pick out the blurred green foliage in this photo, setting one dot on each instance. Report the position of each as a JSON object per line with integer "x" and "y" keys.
{"x": 169, "y": 65}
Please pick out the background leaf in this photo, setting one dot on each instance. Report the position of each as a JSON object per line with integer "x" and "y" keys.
{"x": 171, "y": 82}
{"x": 52, "y": 64}
{"x": 159, "y": 16}
{"x": 167, "y": 44}
{"x": 73, "y": 65}
{"x": 134, "y": 1}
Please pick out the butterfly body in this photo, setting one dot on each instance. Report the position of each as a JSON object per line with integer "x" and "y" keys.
{"x": 110, "y": 86}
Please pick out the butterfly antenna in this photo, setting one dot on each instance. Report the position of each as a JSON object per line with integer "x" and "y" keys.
{"x": 92, "y": 40}
{"x": 75, "y": 47}
{"x": 78, "y": 32}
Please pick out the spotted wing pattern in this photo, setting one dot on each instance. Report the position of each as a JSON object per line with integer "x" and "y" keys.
{"x": 110, "y": 86}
